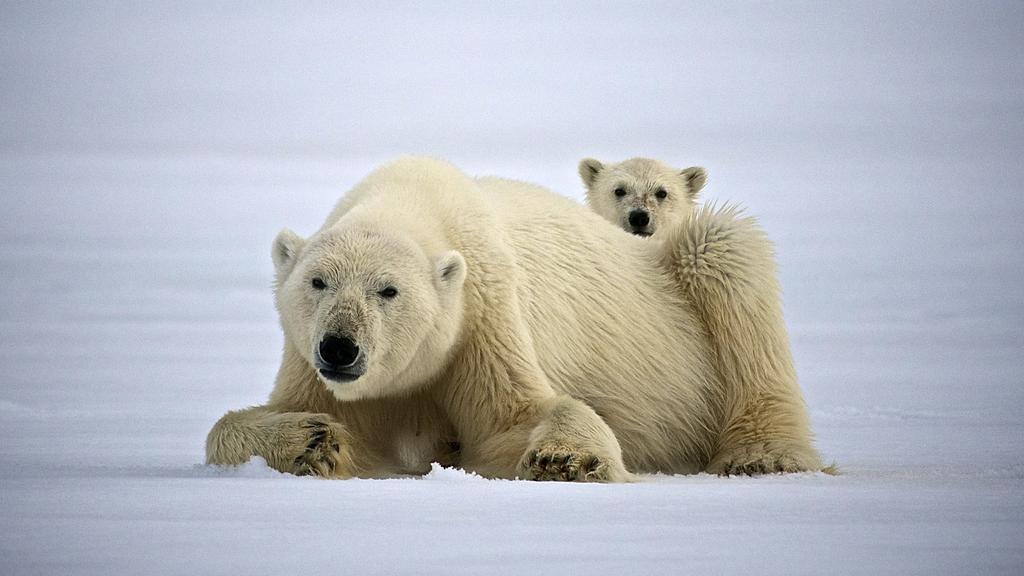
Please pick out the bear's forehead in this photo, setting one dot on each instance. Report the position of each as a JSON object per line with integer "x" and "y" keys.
{"x": 361, "y": 247}
{"x": 645, "y": 173}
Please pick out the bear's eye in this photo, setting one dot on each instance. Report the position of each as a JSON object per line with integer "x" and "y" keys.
{"x": 661, "y": 194}
{"x": 389, "y": 292}
{"x": 318, "y": 283}
{"x": 620, "y": 192}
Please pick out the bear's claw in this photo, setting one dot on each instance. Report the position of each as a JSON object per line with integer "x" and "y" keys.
{"x": 322, "y": 451}
{"x": 565, "y": 465}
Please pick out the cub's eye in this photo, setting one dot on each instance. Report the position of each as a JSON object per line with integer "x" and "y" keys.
{"x": 661, "y": 194}
{"x": 389, "y": 292}
{"x": 318, "y": 283}
{"x": 620, "y": 192}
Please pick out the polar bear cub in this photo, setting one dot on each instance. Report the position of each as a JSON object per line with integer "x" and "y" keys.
{"x": 640, "y": 195}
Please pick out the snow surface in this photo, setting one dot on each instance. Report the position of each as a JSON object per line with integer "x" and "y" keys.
{"x": 150, "y": 152}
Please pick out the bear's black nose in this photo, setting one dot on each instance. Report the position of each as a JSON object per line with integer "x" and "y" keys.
{"x": 338, "y": 352}
{"x": 639, "y": 218}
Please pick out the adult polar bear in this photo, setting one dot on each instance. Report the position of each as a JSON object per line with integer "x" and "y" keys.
{"x": 497, "y": 326}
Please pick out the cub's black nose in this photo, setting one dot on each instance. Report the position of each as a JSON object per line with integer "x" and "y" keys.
{"x": 337, "y": 353}
{"x": 639, "y": 218}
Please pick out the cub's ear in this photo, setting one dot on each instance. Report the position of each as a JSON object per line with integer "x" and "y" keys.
{"x": 589, "y": 169}
{"x": 285, "y": 252}
{"x": 450, "y": 271}
{"x": 695, "y": 178}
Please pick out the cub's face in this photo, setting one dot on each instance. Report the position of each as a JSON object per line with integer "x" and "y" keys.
{"x": 640, "y": 195}
{"x": 370, "y": 312}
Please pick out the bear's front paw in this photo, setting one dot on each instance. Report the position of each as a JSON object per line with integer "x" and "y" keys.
{"x": 559, "y": 463}
{"x": 324, "y": 453}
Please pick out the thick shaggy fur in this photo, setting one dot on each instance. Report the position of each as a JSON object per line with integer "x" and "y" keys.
{"x": 725, "y": 265}
{"x": 529, "y": 338}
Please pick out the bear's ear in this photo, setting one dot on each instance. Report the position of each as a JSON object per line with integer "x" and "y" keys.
{"x": 285, "y": 252}
{"x": 589, "y": 169}
{"x": 695, "y": 177}
{"x": 450, "y": 271}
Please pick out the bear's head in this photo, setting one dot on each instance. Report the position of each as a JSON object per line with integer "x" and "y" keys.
{"x": 370, "y": 311}
{"x": 640, "y": 195}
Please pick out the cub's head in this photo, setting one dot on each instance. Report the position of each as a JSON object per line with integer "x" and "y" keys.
{"x": 369, "y": 310}
{"x": 640, "y": 195}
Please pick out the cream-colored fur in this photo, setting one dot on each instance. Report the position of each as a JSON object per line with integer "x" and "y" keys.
{"x": 725, "y": 264}
{"x": 641, "y": 195}
{"x": 528, "y": 338}
{"x": 728, "y": 272}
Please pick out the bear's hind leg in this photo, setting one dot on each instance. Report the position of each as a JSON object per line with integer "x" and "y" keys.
{"x": 725, "y": 265}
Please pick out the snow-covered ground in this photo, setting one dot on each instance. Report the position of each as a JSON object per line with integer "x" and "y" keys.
{"x": 149, "y": 154}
